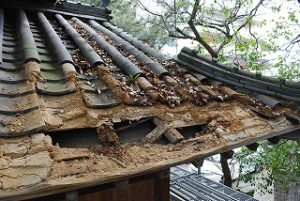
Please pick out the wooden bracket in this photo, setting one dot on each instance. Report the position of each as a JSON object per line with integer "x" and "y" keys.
{"x": 253, "y": 147}
{"x": 171, "y": 133}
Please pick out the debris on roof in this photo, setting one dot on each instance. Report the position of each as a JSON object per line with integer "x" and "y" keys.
{"x": 83, "y": 102}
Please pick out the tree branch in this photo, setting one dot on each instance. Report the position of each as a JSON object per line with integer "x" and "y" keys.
{"x": 196, "y": 33}
{"x": 231, "y": 19}
{"x": 212, "y": 26}
{"x": 251, "y": 15}
{"x": 183, "y": 35}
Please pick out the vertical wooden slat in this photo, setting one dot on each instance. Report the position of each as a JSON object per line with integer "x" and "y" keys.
{"x": 151, "y": 187}
{"x": 162, "y": 185}
{"x": 142, "y": 190}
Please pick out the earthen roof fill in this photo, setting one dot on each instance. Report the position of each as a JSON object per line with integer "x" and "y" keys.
{"x": 82, "y": 103}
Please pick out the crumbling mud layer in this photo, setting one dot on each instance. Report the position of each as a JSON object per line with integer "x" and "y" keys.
{"x": 33, "y": 162}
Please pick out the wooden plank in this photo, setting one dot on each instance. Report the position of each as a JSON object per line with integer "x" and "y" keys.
{"x": 163, "y": 127}
{"x": 171, "y": 134}
{"x": 156, "y": 133}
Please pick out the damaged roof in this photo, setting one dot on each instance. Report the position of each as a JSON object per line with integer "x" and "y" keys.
{"x": 66, "y": 69}
{"x": 255, "y": 82}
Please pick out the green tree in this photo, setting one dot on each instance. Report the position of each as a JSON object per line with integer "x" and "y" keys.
{"x": 226, "y": 30}
{"x": 280, "y": 163}
{"x": 230, "y": 30}
{"x": 213, "y": 24}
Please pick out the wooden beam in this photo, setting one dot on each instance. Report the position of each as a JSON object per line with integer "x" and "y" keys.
{"x": 171, "y": 134}
{"x": 156, "y": 133}
{"x": 162, "y": 127}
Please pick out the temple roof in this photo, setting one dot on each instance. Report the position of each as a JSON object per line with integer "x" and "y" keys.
{"x": 85, "y": 103}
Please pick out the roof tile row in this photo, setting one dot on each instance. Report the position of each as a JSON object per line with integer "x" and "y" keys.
{"x": 45, "y": 54}
{"x": 270, "y": 86}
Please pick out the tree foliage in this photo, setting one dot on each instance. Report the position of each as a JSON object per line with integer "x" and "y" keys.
{"x": 199, "y": 20}
{"x": 280, "y": 163}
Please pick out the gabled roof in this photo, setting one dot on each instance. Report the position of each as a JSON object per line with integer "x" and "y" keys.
{"x": 93, "y": 88}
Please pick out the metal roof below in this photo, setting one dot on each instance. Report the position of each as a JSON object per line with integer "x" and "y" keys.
{"x": 187, "y": 186}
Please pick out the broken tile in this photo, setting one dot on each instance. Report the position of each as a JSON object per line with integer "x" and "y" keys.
{"x": 103, "y": 100}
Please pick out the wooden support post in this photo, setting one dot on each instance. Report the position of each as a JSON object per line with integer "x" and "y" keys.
{"x": 162, "y": 185}
{"x": 228, "y": 154}
{"x": 225, "y": 167}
